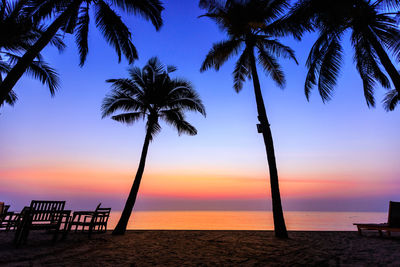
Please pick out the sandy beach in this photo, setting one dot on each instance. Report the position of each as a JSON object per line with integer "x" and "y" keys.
{"x": 206, "y": 248}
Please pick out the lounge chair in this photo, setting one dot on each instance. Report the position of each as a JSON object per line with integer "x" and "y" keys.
{"x": 92, "y": 221}
{"x": 393, "y": 224}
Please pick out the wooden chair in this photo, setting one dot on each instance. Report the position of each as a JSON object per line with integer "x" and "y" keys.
{"x": 41, "y": 215}
{"x": 99, "y": 221}
{"x": 6, "y": 218}
{"x": 92, "y": 221}
{"x": 393, "y": 224}
{"x": 2, "y": 213}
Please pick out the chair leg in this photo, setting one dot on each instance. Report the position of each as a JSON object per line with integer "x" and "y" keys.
{"x": 90, "y": 231}
{"x": 359, "y": 230}
{"x": 25, "y": 234}
{"x": 22, "y": 230}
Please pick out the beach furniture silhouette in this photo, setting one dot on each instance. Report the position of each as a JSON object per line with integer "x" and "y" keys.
{"x": 7, "y": 218}
{"x": 41, "y": 215}
{"x": 91, "y": 221}
{"x": 393, "y": 224}
{"x": 3, "y": 211}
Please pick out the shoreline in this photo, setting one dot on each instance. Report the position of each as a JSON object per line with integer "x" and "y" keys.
{"x": 202, "y": 247}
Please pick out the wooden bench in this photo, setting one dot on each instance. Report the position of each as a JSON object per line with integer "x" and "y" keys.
{"x": 41, "y": 215}
{"x": 393, "y": 224}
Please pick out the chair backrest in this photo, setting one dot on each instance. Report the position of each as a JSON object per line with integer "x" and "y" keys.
{"x": 1, "y": 208}
{"x": 6, "y": 207}
{"x": 102, "y": 215}
{"x": 394, "y": 214}
{"x": 44, "y": 210}
{"x": 98, "y": 206}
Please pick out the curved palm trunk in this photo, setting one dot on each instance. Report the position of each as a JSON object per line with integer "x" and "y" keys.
{"x": 385, "y": 60}
{"x": 279, "y": 221}
{"x": 18, "y": 70}
{"x": 130, "y": 202}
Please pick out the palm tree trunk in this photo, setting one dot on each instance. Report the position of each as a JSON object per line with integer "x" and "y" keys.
{"x": 279, "y": 221}
{"x": 130, "y": 202}
{"x": 385, "y": 60}
{"x": 18, "y": 70}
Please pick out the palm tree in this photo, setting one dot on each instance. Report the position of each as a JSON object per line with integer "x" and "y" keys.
{"x": 19, "y": 32}
{"x": 72, "y": 16}
{"x": 374, "y": 33}
{"x": 251, "y": 26}
{"x": 150, "y": 94}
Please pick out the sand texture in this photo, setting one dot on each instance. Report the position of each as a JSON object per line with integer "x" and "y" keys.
{"x": 203, "y": 248}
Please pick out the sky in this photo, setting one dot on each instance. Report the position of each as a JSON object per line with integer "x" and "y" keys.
{"x": 338, "y": 156}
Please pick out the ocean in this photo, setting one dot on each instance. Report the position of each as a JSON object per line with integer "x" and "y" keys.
{"x": 246, "y": 220}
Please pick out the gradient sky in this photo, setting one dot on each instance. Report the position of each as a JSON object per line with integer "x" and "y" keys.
{"x": 335, "y": 156}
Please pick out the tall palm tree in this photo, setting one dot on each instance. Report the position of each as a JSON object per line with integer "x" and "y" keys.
{"x": 18, "y": 32}
{"x": 150, "y": 94}
{"x": 374, "y": 34}
{"x": 251, "y": 27}
{"x": 72, "y": 16}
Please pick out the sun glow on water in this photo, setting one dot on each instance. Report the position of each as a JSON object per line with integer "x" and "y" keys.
{"x": 245, "y": 220}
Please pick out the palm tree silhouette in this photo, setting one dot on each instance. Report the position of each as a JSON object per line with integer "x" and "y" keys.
{"x": 18, "y": 32}
{"x": 72, "y": 16}
{"x": 374, "y": 33}
{"x": 252, "y": 25}
{"x": 150, "y": 94}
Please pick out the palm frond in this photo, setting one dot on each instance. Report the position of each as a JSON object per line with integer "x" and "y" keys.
{"x": 149, "y": 9}
{"x": 330, "y": 68}
{"x": 45, "y": 9}
{"x": 211, "y": 4}
{"x": 118, "y": 101}
{"x": 274, "y": 47}
{"x": 153, "y": 127}
{"x": 391, "y": 100}
{"x": 175, "y": 118}
{"x": 57, "y": 42}
{"x": 41, "y": 71}
{"x": 71, "y": 21}
{"x": 10, "y": 99}
{"x": 154, "y": 67}
{"x": 366, "y": 62}
{"x": 273, "y": 9}
{"x": 128, "y": 118}
{"x": 126, "y": 86}
{"x": 324, "y": 62}
{"x": 181, "y": 95}
{"x": 115, "y": 31}
{"x": 242, "y": 70}
{"x": 4, "y": 67}
{"x": 271, "y": 66}
{"x": 220, "y": 53}
{"x": 389, "y": 5}
{"x": 171, "y": 68}
{"x": 81, "y": 35}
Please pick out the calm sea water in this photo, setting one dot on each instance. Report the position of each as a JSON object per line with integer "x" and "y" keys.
{"x": 246, "y": 220}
